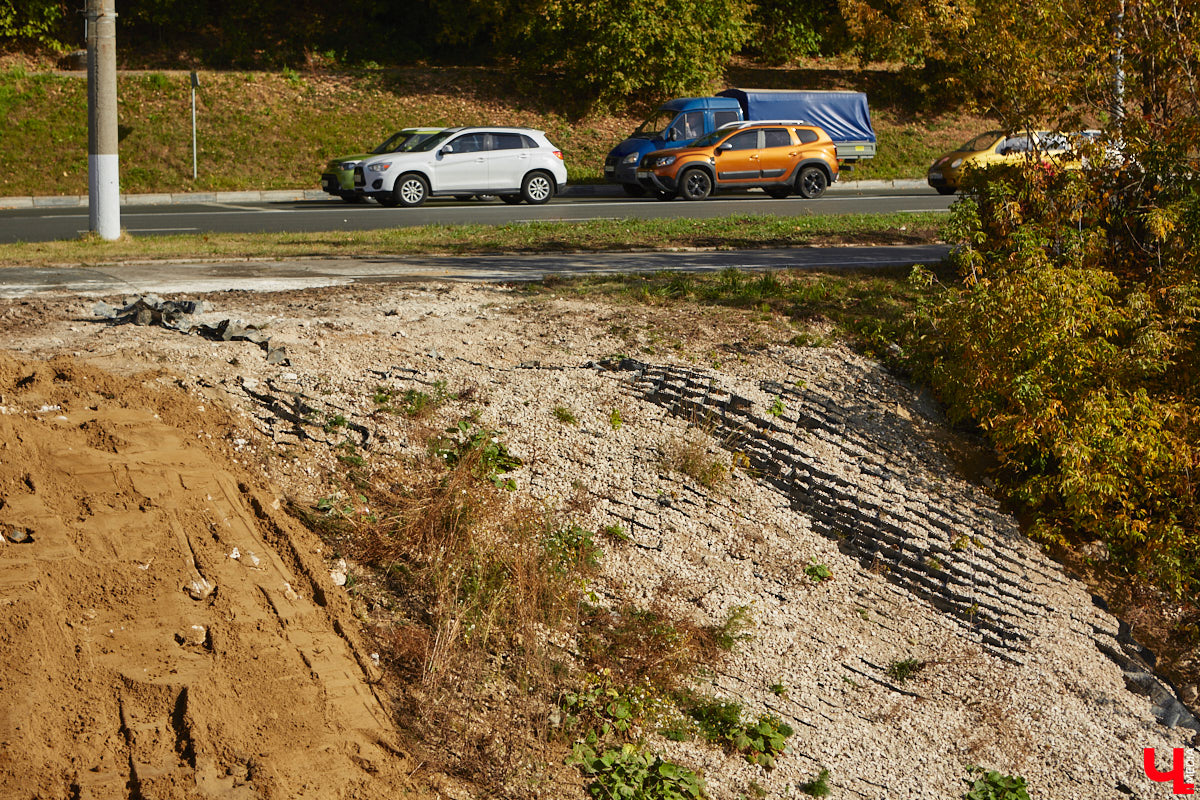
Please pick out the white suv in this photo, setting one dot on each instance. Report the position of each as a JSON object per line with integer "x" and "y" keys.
{"x": 515, "y": 163}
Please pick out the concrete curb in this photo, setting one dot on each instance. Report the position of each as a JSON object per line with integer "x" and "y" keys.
{"x": 310, "y": 195}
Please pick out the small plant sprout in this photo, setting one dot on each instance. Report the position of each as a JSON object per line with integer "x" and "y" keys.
{"x": 615, "y": 420}
{"x": 779, "y": 689}
{"x": 863, "y": 614}
{"x": 935, "y": 563}
{"x": 777, "y": 408}
{"x": 960, "y": 543}
{"x": 818, "y": 572}
{"x": 565, "y": 415}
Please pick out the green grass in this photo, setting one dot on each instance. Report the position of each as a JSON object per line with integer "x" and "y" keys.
{"x": 873, "y": 309}
{"x": 739, "y": 231}
{"x": 266, "y": 130}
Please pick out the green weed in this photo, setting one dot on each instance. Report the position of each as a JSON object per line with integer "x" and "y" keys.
{"x": 630, "y": 772}
{"x": 760, "y": 741}
{"x": 818, "y": 786}
{"x": 616, "y": 532}
{"x": 992, "y": 785}
{"x": 493, "y": 459}
{"x": 901, "y": 671}
{"x": 818, "y": 572}
{"x": 733, "y": 629}
{"x": 572, "y": 549}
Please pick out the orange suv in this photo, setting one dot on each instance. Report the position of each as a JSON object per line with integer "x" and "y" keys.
{"x": 781, "y": 158}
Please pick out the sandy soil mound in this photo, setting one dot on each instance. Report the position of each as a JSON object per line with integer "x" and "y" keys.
{"x": 163, "y": 630}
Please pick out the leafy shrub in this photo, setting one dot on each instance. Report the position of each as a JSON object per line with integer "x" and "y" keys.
{"x": 790, "y": 29}
{"x": 39, "y": 21}
{"x": 611, "y": 50}
{"x": 1072, "y": 344}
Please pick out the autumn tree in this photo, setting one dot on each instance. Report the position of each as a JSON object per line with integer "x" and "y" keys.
{"x": 1074, "y": 339}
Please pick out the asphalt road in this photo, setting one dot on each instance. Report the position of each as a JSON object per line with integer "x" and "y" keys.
{"x": 47, "y": 224}
{"x": 273, "y": 275}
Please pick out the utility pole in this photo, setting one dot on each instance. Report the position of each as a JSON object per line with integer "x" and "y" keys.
{"x": 195, "y": 86}
{"x": 1118, "y": 62}
{"x": 104, "y": 178}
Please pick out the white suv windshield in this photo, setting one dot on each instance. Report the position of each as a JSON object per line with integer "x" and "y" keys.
{"x": 432, "y": 142}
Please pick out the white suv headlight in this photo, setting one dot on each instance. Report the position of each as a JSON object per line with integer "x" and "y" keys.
{"x": 664, "y": 161}
{"x": 632, "y": 158}
{"x": 381, "y": 167}
{"x": 956, "y": 163}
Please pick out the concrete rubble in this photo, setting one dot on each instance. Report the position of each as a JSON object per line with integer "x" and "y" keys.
{"x": 177, "y": 315}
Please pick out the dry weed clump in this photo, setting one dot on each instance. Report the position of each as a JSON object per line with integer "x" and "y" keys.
{"x": 470, "y": 564}
{"x": 641, "y": 647}
{"x": 695, "y": 455}
{"x": 477, "y": 602}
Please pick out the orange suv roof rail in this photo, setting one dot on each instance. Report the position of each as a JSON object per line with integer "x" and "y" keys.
{"x": 751, "y": 123}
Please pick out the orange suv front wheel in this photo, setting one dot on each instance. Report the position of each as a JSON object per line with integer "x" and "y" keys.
{"x": 695, "y": 184}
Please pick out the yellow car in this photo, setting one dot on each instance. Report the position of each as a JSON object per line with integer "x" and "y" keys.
{"x": 993, "y": 147}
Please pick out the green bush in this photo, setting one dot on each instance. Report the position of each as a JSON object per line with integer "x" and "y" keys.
{"x": 790, "y": 29}
{"x": 39, "y": 21}
{"x": 609, "y": 50}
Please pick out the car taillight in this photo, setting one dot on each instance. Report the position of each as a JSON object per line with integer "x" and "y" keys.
{"x": 558, "y": 155}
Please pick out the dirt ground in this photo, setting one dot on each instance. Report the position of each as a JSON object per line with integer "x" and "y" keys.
{"x": 169, "y": 630}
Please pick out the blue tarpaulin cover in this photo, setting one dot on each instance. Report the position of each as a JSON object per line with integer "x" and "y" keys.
{"x": 843, "y": 115}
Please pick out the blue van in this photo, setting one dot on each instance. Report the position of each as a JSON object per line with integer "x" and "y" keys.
{"x": 679, "y": 122}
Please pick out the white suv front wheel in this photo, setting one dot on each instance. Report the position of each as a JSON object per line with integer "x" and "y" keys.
{"x": 537, "y": 188}
{"x": 410, "y": 190}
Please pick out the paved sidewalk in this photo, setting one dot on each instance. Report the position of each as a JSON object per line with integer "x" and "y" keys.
{"x": 297, "y": 195}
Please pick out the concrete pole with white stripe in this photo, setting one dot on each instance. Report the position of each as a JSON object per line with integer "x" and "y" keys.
{"x": 104, "y": 180}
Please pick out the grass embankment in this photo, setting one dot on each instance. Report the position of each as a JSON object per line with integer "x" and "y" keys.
{"x": 260, "y": 130}
{"x": 734, "y": 232}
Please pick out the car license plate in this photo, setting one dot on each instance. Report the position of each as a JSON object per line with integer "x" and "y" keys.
{"x": 935, "y": 176}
